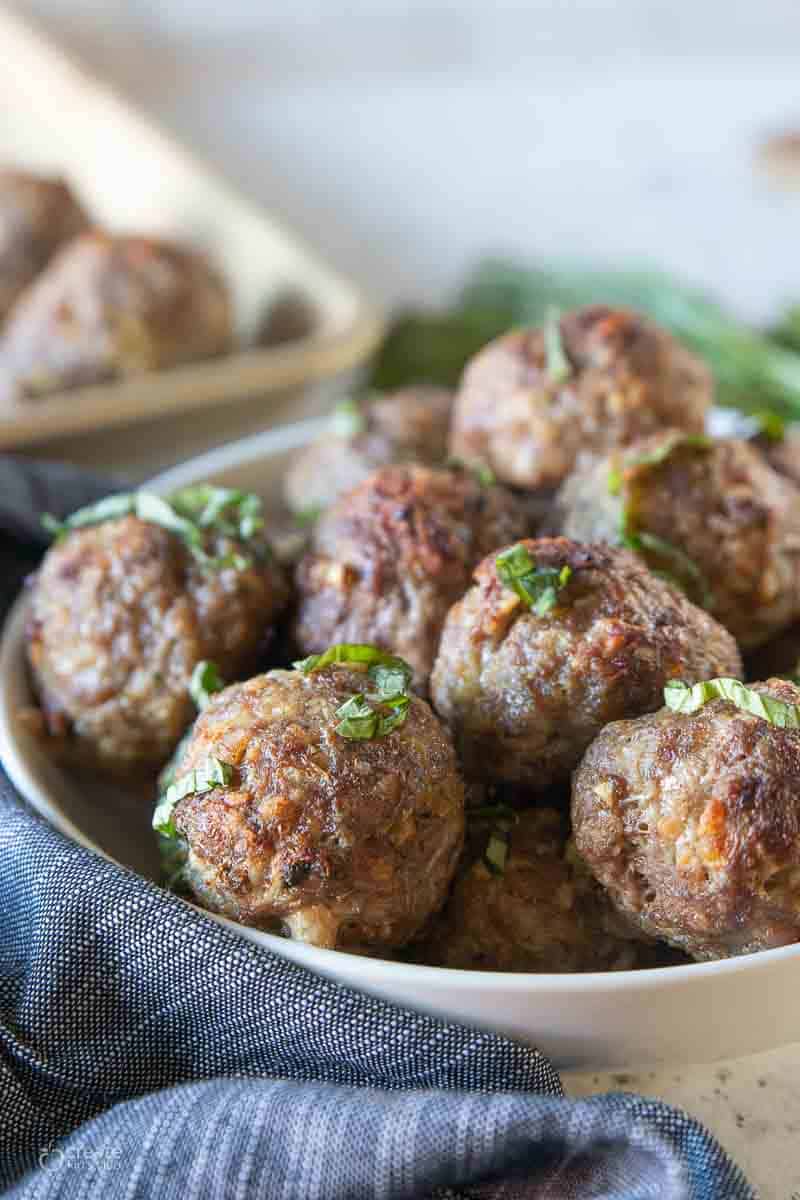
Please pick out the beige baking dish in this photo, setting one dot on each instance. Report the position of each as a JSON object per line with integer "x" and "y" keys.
{"x": 58, "y": 118}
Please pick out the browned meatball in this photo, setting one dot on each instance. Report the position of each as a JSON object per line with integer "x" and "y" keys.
{"x": 390, "y": 557}
{"x": 120, "y": 614}
{"x": 540, "y": 910}
{"x": 405, "y": 426}
{"x": 525, "y": 691}
{"x": 348, "y": 843}
{"x": 692, "y": 824}
{"x": 713, "y": 515}
{"x": 108, "y": 307}
{"x": 783, "y": 454}
{"x": 618, "y": 377}
{"x": 37, "y": 215}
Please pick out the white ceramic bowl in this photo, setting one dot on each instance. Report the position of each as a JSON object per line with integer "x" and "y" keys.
{"x": 691, "y": 1013}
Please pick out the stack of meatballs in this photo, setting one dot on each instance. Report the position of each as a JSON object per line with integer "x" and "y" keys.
{"x": 493, "y": 715}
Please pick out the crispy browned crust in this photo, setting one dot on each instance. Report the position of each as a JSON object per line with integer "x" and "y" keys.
{"x": 120, "y": 613}
{"x": 724, "y": 507}
{"x": 109, "y": 306}
{"x": 692, "y": 823}
{"x": 388, "y": 560}
{"x": 525, "y": 695}
{"x": 628, "y": 379}
{"x": 349, "y": 843}
{"x": 37, "y": 216}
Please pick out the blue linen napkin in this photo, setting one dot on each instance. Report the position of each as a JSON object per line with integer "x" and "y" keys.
{"x": 149, "y": 1053}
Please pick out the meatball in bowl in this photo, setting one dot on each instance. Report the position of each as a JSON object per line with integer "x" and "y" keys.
{"x": 554, "y": 640}
{"x": 537, "y": 403}
{"x": 410, "y": 425}
{"x": 690, "y": 817}
{"x": 526, "y": 902}
{"x": 134, "y": 593}
{"x": 710, "y": 514}
{"x": 390, "y": 557}
{"x": 325, "y": 801}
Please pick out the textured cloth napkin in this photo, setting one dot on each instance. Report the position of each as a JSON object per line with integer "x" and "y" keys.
{"x": 149, "y": 1053}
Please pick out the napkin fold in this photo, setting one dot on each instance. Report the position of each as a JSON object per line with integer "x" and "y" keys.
{"x": 147, "y": 1052}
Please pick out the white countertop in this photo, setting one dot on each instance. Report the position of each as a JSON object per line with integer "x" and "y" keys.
{"x": 404, "y": 139}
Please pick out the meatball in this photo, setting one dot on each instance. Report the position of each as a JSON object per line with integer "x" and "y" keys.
{"x": 405, "y": 426}
{"x": 345, "y": 842}
{"x": 525, "y": 684}
{"x": 120, "y": 614}
{"x": 540, "y": 910}
{"x": 108, "y": 307}
{"x": 37, "y": 215}
{"x": 536, "y": 403}
{"x": 713, "y": 515}
{"x": 390, "y": 557}
{"x": 692, "y": 824}
{"x": 783, "y": 454}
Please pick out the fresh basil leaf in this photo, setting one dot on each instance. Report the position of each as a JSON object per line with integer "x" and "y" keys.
{"x": 210, "y": 774}
{"x": 557, "y": 365}
{"x": 205, "y": 681}
{"x": 348, "y": 420}
{"x": 111, "y": 508}
{"x": 357, "y": 719}
{"x": 682, "y": 698}
{"x": 496, "y": 852}
{"x": 538, "y": 587}
{"x": 351, "y": 652}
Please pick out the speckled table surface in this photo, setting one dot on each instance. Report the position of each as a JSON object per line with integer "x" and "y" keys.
{"x": 752, "y": 1105}
{"x": 612, "y": 128}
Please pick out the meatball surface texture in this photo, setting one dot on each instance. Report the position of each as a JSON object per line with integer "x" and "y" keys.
{"x": 618, "y": 377}
{"x": 712, "y": 514}
{"x": 108, "y": 307}
{"x": 390, "y": 557}
{"x": 405, "y": 426}
{"x": 345, "y": 842}
{"x": 525, "y": 692}
{"x": 541, "y": 912}
{"x": 37, "y": 216}
{"x": 692, "y": 824}
{"x": 120, "y": 614}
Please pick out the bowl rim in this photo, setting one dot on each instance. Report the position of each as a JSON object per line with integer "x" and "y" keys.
{"x": 15, "y": 759}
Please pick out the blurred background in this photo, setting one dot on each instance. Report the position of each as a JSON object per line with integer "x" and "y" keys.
{"x": 405, "y": 140}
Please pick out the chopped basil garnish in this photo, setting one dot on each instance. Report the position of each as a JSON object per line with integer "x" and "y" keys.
{"x": 496, "y": 851}
{"x": 205, "y": 681}
{"x": 537, "y": 586}
{"x": 675, "y": 565}
{"x": 557, "y": 365}
{"x": 210, "y": 774}
{"x": 391, "y": 676}
{"x": 682, "y": 698}
{"x": 189, "y": 513}
{"x": 305, "y": 517}
{"x": 481, "y": 471}
{"x": 348, "y": 420}
{"x": 353, "y": 652}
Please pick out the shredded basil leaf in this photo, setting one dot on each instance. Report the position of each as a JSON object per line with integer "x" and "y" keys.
{"x": 188, "y": 513}
{"x": 210, "y": 774}
{"x": 481, "y": 471}
{"x": 558, "y": 366}
{"x": 205, "y": 681}
{"x": 496, "y": 852}
{"x": 352, "y": 652}
{"x": 348, "y": 420}
{"x": 536, "y": 586}
{"x": 682, "y": 698}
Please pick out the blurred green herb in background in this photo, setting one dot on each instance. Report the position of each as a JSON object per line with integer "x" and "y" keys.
{"x": 755, "y": 372}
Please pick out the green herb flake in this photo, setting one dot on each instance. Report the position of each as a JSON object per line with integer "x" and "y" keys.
{"x": 480, "y": 470}
{"x": 189, "y": 513}
{"x": 348, "y": 420}
{"x": 352, "y": 652}
{"x": 210, "y": 774}
{"x": 496, "y": 852}
{"x": 205, "y": 681}
{"x": 557, "y": 365}
{"x": 538, "y": 587}
{"x": 681, "y": 698}
{"x": 365, "y": 716}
